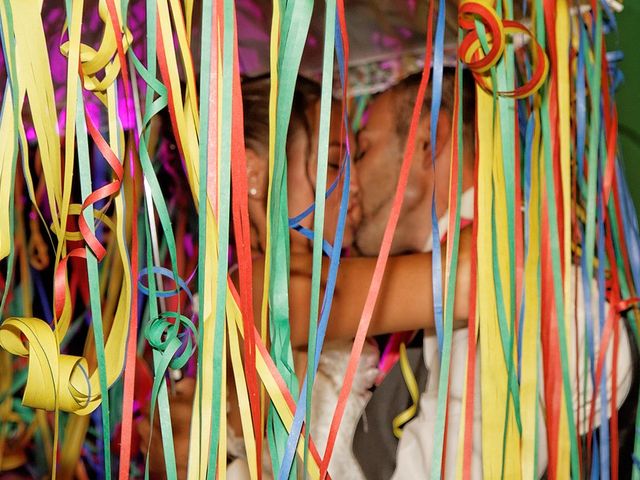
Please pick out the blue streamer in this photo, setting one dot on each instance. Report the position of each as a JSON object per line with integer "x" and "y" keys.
{"x": 308, "y": 233}
{"x": 164, "y": 272}
{"x": 295, "y": 221}
{"x": 436, "y": 100}
{"x": 581, "y": 107}
{"x": 604, "y": 417}
{"x": 528, "y": 153}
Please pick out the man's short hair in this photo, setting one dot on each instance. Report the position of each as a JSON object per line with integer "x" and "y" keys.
{"x": 406, "y": 91}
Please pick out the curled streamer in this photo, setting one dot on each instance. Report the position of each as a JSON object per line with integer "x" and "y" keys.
{"x": 52, "y": 376}
{"x": 165, "y": 332}
{"x": 471, "y": 48}
{"x": 56, "y": 380}
{"x": 104, "y": 60}
{"x": 48, "y": 371}
{"x": 468, "y": 13}
{"x": 91, "y": 62}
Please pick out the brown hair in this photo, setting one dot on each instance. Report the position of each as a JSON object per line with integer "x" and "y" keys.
{"x": 255, "y": 106}
{"x": 406, "y": 91}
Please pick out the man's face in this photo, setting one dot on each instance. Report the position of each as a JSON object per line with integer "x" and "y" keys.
{"x": 380, "y": 152}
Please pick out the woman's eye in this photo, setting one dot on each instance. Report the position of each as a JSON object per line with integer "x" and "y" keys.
{"x": 334, "y": 160}
{"x": 335, "y": 164}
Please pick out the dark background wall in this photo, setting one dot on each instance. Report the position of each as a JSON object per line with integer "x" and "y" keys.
{"x": 627, "y": 39}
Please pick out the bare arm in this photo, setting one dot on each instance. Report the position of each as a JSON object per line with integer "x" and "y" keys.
{"x": 405, "y": 301}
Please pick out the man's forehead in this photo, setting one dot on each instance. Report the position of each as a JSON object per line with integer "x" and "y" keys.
{"x": 378, "y": 109}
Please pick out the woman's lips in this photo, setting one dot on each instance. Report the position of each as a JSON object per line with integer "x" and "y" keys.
{"x": 355, "y": 214}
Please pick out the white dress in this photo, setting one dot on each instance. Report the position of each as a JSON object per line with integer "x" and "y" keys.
{"x": 326, "y": 389}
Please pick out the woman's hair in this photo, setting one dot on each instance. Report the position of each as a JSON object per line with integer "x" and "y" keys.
{"x": 255, "y": 106}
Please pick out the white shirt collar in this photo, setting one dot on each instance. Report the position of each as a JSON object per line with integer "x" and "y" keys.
{"x": 466, "y": 211}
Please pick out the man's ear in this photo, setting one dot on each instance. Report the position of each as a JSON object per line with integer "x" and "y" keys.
{"x": 422, "y": 154}
{"x": 443, "y": 137}
{"x": 257, "y": 175}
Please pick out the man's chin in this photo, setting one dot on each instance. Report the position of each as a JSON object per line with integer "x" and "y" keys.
{"x": 368, "y": 241}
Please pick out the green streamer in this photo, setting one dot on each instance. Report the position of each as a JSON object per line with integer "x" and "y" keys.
{"x": 203, "y": 173}
{"x": 224, "y": 199}
{"x": 294, "y": 28}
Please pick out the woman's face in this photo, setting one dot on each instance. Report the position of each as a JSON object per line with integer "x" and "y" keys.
{"x": 301, "y": 196}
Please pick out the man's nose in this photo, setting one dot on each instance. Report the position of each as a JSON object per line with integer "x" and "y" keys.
{"x": 354, "y": 180}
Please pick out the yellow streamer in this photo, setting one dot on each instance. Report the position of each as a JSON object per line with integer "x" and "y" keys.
{"x": 414, "y": 392}
{"x": 494, "y": 385}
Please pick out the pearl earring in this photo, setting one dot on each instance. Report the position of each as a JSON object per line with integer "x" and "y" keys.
{"x": 253, "y": 191}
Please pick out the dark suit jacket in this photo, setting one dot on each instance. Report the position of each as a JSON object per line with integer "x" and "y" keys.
{"x": 374, "y": 444}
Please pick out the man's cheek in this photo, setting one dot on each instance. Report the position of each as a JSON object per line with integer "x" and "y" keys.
{"x": 365, "y": 189}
